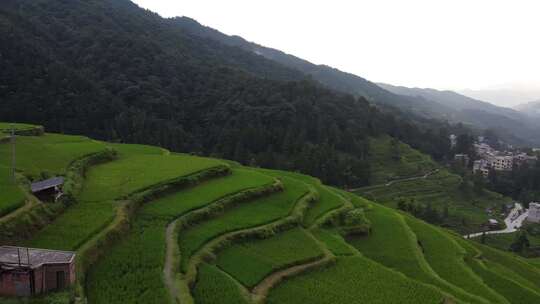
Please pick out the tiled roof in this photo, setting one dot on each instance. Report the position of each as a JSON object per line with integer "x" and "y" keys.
{"x": 33, "y": 257}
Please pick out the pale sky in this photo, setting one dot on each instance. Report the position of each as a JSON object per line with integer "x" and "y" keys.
{"x": 451, "y": 44}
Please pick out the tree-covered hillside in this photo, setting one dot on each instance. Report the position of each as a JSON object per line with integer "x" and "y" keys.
{"x": 111, "y": 70}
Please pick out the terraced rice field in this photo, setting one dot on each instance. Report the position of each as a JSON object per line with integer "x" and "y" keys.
{"x": 144, "y": 248}
{"x": 446, "y": 257}
{"x": 250, "y": 262}
{"x": 38, "y": 157}
{"x": 385, "y": 166}
{"x": 440, "y": 190}
{"x": 353, "y": 280}
{"x": 258, "y": 212}
{"x": 50, "y": 153}
{"x": 215, "y": 286}
{"x": 400, "y": 260}
{"x": 396, "y": 246}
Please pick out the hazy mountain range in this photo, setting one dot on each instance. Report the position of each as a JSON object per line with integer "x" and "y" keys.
{"x": 419, "y": 104}
{"x": 531, "y": 108}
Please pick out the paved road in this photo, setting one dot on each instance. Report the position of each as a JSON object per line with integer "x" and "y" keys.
{"x": 513, "y": 221}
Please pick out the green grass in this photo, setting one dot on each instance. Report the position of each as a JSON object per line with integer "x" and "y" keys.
{"x": 250, "y": 262}
{"x": 11, "y": 196}
{"x": 248, "y": 214}
{"x": 133, "y": 172}
{"x": 393, "y": 244}
{"x": 214, "y": 286}
{"x": 6, "y": 126}
{"x": 385, "y": 167}
{"x": 110, "y": 280}
{"x": 353, "y": 280}
{"x": 534, "y": 262}
{"x": 51, "y": 153}
{"x": 446, "y": 258}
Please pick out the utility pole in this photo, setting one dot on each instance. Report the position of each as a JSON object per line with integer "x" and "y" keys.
{"x": 13, "y": 161}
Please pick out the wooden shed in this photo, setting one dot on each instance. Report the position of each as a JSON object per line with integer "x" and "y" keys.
{"x": 49, "y": 189}
{"x": 29, "y": 271}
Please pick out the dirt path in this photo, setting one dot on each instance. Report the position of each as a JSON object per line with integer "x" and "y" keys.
{"x": 169, "y": 273}
{"x": 390, "y": 183}
{"x": 260, "y": 291}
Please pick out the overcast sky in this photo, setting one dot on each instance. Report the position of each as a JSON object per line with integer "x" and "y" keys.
{"x": 451, "y": 44}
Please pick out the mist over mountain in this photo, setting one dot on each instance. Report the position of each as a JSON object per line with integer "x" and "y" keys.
{"x": 507, "y": 96}
{"x": 419, "y": 105}
{"x": 531, "y": 108}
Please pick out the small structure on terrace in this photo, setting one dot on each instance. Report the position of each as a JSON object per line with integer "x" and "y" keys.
{"x": 49, "y": 189}
{"x": 29, "y": 271}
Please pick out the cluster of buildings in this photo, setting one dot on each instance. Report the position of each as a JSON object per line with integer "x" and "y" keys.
{"x": 497, "y": 160}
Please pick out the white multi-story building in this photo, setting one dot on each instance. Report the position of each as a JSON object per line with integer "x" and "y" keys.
{"x": 481, "y": 166}
{"x": 501, "y": 163}
{"x": 534, "y": 213}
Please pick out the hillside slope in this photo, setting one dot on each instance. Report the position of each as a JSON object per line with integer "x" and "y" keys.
{"x": 187, "y": 229}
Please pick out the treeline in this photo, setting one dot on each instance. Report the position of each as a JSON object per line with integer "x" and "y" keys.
{"x": 110, "y": 70}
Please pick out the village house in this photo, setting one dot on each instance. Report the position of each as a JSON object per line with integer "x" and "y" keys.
{"x": 534, "y": 213}
{"x": 29, "y": 271}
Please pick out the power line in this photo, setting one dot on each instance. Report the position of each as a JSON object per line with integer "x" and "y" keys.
{"x": 13, "y": 160}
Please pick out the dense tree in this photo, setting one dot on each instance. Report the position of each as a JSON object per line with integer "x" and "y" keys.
{"x": 110, "y": 70}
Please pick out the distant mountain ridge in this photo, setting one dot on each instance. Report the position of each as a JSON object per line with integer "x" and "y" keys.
{"x": 511, "y": 124}
{"x": 531, "y": 108}
{"x": 418, "y": 104}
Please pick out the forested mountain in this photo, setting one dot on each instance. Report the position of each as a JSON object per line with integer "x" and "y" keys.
{"x": 513, "y": 126}
{"x": 111, "y": 70}
{"x": 333, "y": 78}
{"x": 416, "y": 104}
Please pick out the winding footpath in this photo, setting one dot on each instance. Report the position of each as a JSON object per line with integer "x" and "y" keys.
{"x": 513, "y": 222}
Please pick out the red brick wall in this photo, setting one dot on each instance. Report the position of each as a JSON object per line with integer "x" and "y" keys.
{"x": 15, "y": 283}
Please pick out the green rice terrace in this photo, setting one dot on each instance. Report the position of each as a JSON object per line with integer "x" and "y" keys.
{"x": 151, "y": 226}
